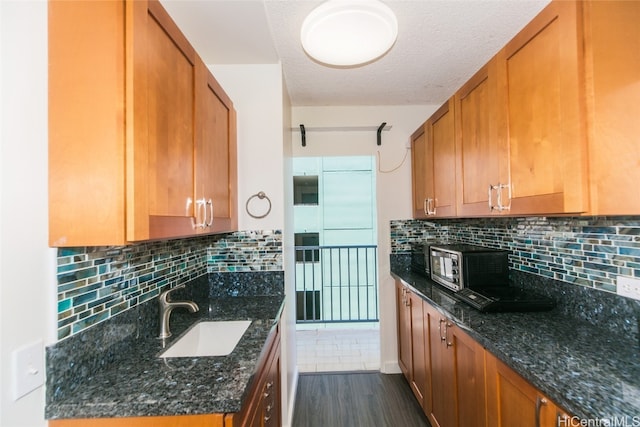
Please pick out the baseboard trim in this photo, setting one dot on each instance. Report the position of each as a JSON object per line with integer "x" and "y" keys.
{"x": 391, "y": 367}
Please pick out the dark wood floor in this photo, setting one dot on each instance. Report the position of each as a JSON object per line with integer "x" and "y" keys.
{"x": 359, "y": 399}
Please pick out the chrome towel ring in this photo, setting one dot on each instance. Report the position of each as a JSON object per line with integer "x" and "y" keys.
{"x": 260, "y": 195}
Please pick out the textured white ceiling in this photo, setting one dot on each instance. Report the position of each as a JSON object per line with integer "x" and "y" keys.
{"x": 441, "y": 43}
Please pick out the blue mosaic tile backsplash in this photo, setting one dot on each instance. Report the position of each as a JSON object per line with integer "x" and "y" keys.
{"x": 96, "y": 283}
{"x": 588, "y": 251}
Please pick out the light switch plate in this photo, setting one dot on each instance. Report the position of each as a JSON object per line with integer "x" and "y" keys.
{"x": 628, "y": 287}
{"x": 28, "y": 369}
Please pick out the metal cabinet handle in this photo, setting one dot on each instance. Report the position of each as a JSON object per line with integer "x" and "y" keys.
{"x": 201, "y": 212}
{"x": 447, "y": 325}
{"x": 430, "y": 206}
{"x": 490, "y": 198}
{"x": 540, "y": 401}
{"x": 442, "y": 338}
{"x": 501, "y": 206}
{"x": 498, "y": 188}
{"x": 424, "y": 207}
{"x": 210, "y": 204}
{"x": 194, "y": 225}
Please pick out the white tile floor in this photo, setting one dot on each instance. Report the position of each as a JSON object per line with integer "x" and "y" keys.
{"x": 338, "y": 347}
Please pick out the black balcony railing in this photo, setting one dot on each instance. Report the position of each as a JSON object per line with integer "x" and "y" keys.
{"x": 336, "y": 284}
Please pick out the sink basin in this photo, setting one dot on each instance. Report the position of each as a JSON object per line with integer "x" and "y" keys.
{"x": 215, "y": 338}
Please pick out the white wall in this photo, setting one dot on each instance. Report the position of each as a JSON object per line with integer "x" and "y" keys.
{"x": 256, "y": 91}
{"x": 393, "y": 189}
{"x": 289, "y": 353}
{"x": 264, "y": 164}
{"x": 27, "y": 274}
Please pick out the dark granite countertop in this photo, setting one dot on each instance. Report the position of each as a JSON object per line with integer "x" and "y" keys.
{"x": 142, "y": 384}
{"x": 592, "y": 372}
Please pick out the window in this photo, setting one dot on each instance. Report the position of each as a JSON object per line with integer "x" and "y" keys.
{"x": 305, "y": 190}
{"x": 307, "y": 239}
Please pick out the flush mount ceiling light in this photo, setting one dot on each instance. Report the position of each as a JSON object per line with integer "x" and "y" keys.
{"x": 349, "y": 32}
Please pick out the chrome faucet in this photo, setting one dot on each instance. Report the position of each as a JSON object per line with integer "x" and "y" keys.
{"x": 166, "y": 307}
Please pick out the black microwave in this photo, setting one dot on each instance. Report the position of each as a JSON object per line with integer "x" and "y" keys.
{"x": 459, "y": 266}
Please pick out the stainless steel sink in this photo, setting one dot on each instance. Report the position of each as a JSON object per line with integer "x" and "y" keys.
{"x": 208, "y": 338}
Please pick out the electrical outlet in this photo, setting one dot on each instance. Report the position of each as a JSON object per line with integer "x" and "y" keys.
{"x": 28, "y": 369}
{"x": 628, "y": 287}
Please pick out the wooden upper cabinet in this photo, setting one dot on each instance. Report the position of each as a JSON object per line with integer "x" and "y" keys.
{"x": 124, "y": 121}
{"x": 433, "y": 165}
{"x": 421, "y": 170}
{"x": 86, "y": 123}
{"x": 612, "y": 37}
{"x": 163, "y": 97}
{"x": 481, "y": 150}
{"x": 440, "y": 129}
{"x": 541, "y": 99}
{"x": 215, "y": 155}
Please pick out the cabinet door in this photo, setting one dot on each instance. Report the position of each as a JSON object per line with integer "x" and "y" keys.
{"x": 404, "y": 330}
{"x": 271, "y": 414}
{"x": 421, "y": 172}
{"x": 612, "y": 36}
{"x": 469, "y": 378}
{"x": 457, "y": 375}
{"x": 215, "y": 155}
{"x": 511, "y": 401}
{"x": 481, "y": 153}
{"x": 121, "y": 125}
{"x": 419, "y": 375}
{"x": 443, "y": 392}
{"x": 160, "y": 161}
{"x": 541, "y": 80}
{"x": 441, "y": 131}
{"x": 86, "y": 123}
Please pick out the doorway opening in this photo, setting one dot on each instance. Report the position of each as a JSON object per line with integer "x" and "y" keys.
{"x": 337, "y": 308}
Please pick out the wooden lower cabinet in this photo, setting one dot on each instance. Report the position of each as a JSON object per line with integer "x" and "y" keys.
{"x": 457, "y": 374}
{"x": 512, "y": 401}
{"x": 411, "y": 342}
{"x": 456, "y": 380}
{"x": 263, "y": 405}
{"x": 209, "y": 420}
